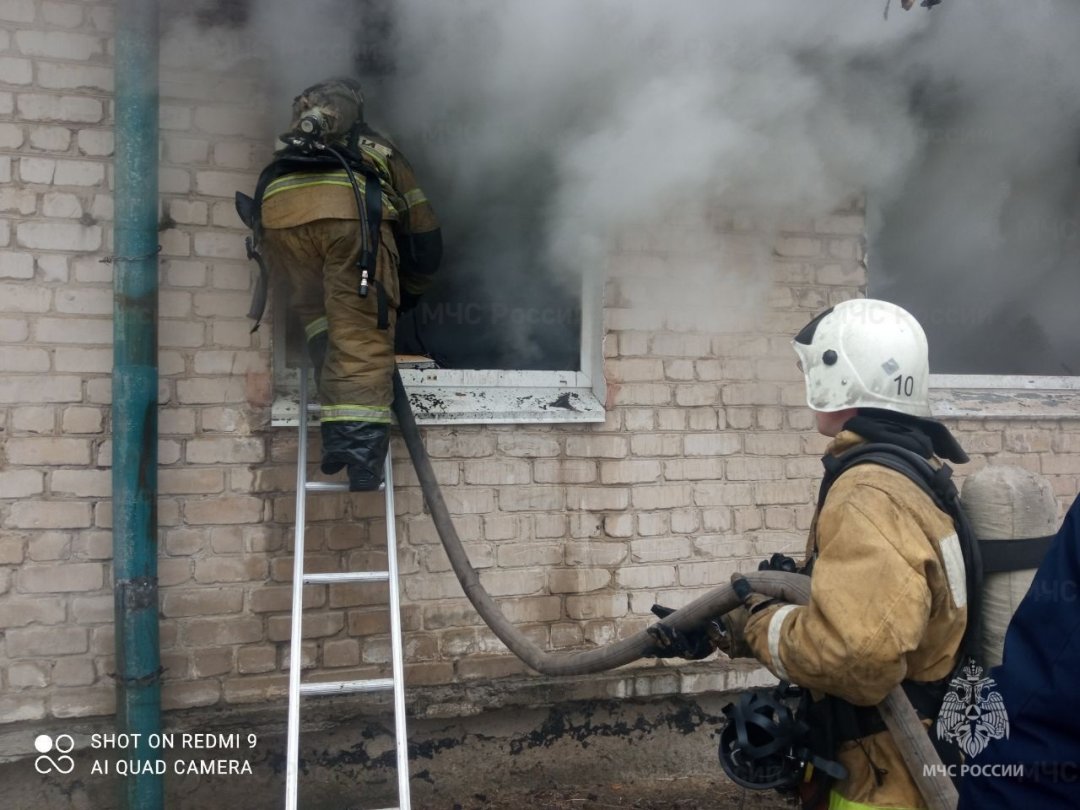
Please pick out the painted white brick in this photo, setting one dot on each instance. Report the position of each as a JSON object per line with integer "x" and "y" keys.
{"x": 37, "y": 170}
{"x": 21, "y": 483}
{"x": 16, "y": 71}
{"x": 232, "y": 277}
{"x": 92, "y": 271}
{"x": 24, "y": 298}
{"x": 52, "y": 267}
{"x": 175, "y": 243}
{"x": 173, "y": 304}
{"x": 232, "y": 333}
{"x": 220, "y": 245}
{"x": 82, "y": 420}
{"x": 222, "y": 184}
{"x": 16, "y": 389}
{"x": 59, "y": 45}
{"x": 712, "y": 444}
{"x": 174, "y": 117}
{"x": 50, "y": 139}
{"x": 189, "y": 212}
{"x": 16, "y": 265}
{"x": 81, "y": 483}
{"x": 61, "y": 205}
{"x": 75, "y": 330}
{"x": 102, "y": 207}
{"x": 11, "y": 136}
{"x": 96, "y": 142}
{"x": 79, "y": 173}
{"x": 76, "y": 109}
{"x": 18, "y": 358}
{"x": 75, "y": 77}
{"x": 173, "y": 181}
{"x": 103, "y": 18}
{"x": 13, "y": 330}
{"x": 223, "y": 120}
{"x": 17, "y": 10}
{"x": 85, "y": 301}
{"x": 58, "y": 236}
{"x": 229, "y": 305}
{"x": 181, "y": 334}
{"x": 646, "y": 576}
{"x": 17, "y": 201}
{"x": 235, "y": 154}
{"x": 224, "y": 216}
{"x": 62, "y": 15}
{"x": 185, "y": 151}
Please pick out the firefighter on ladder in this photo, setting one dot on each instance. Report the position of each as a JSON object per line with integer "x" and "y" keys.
{"x": 339, "y": 215}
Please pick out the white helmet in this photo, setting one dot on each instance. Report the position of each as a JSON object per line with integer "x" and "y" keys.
{"x": 865, "y": 353}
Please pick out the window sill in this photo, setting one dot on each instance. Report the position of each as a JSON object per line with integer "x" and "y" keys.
{"x": 478, "y": 397}
{"x": 1004, "y": 397}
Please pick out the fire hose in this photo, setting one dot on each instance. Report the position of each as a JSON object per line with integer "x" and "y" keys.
{"x": 900, "y": 717}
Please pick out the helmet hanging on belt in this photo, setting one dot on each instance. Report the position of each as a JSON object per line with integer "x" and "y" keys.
{"x": 763, "y": 746}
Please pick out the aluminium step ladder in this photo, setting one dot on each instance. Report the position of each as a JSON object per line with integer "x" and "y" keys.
{"x": 298, "y": 690}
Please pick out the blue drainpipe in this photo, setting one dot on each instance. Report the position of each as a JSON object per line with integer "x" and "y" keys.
{"x": 134, "y": 393}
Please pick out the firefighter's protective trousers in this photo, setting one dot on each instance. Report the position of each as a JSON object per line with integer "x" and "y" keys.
{"x": 319, "y": 261}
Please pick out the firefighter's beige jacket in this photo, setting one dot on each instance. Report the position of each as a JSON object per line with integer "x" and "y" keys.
{"x": 887, "y": 603}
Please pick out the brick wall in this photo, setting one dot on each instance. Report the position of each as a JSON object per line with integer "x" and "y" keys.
{"x": 707, "y": 460}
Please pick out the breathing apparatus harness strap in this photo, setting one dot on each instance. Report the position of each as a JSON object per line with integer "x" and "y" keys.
{"x": 305, "y": 155}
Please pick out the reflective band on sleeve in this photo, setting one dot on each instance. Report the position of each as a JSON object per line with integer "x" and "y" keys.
{"x": 838, "y": 802}
{"x": 378, "y": 155}
{"x": 955, "y": 571}
{"x": 316, "y": 327}
{"x": 775, "y": 623}
{"x": 415, "y": 197}
{"x": 355, "y": 413}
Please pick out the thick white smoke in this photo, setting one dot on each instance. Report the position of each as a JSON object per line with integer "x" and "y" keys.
{"x": 544, "y": 131}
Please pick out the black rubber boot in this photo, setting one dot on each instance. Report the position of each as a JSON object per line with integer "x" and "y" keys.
{"x": 360, "y": 446}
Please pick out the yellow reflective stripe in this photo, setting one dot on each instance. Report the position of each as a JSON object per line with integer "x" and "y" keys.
{"x": 415, "y": 197}
{"x": 306, "y": 179}
{"x": 316, "y": 327}
{"x": 355, "y": 413}
{"x": 838, "y": 802}
{"x": 290, "y": 182}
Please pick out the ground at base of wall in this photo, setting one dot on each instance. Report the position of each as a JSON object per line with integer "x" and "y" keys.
{"x": 656, "y": 754}
{"x": 685, "y": 793}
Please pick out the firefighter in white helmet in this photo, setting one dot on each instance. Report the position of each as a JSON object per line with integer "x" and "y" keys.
{"x": 889, "y": 587}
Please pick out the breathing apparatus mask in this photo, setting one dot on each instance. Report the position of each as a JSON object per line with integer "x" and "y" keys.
{"x": 764, "y": 744}
{"x": 327, "y": 114}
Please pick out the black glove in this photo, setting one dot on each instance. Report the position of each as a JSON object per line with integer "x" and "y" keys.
{"x": 779, "y": 562}
{"x": 691, "y": 644}
{"x": 751, "y": 599}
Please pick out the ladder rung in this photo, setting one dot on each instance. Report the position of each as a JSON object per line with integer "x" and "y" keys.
{"x": 331, "y": 486}
{"x": 346, "y": 687}
{"x": 347, "y": 576}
